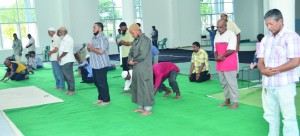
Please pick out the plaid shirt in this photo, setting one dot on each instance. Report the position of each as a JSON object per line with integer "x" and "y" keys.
{"x": 277, "y": 51}
{"x": 198, "y": 58}
{"x": 98, "y": 61}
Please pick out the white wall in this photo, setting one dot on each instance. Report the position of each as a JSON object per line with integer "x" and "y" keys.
{"x": 177, "y": 20}
{"x": 249, "y": 18}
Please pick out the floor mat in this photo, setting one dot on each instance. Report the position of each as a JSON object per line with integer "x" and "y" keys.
{"x": 25, "y": 97}
{"x": 252, "y": 96}
{"x": 7, "y": 127}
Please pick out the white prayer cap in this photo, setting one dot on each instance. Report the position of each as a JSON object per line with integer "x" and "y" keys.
{"x": 124, "y": 74}
{"x": 224, "y": 13}
{"x": 51, "y": 29}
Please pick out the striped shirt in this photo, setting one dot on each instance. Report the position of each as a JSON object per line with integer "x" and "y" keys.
{"x": 198, "y": 58}
{"x": 98, "y": 61}
{"x": 277, "y": 51}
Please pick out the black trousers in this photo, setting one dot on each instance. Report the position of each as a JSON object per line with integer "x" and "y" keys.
{"x": 19, "y": 76}
{"x": 84, "y": 76}
{"x": 204, "y": 76}
{"x": 125, "y": 64}
{"x": 172, "y": 82}
{"x": 100, "y": 80}
{"x": 154, "y": 43}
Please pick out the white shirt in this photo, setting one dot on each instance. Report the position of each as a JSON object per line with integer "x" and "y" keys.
{"x": 55, "y": 42}
{"x": 227, "y": 37}
{"x": 66, "y": 45}
{"x": 233, "y": 27}
{"x": 32, "y": 47}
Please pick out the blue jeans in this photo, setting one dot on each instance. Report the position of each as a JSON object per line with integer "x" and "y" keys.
{"x": 57, "y": 72}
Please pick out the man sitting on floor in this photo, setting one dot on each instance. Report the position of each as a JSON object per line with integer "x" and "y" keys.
{"x": 86, "y": 71}
{"x": 31, "y": 65}
{"x": 37, "y": 59}
{"x": 162, "y": 71}
{"x": 199, "y": 66}
{"x": 15, "y": 71}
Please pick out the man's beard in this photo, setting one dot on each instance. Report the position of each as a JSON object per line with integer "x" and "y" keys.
{"x": 124, "y": 32}
{"x": 96, "y": 33}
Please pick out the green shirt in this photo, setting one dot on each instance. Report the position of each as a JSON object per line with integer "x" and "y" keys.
{"x": 127, "y": 38}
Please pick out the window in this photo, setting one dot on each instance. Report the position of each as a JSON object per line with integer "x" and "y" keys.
{"x": 211, "y": 10}
{"x": 138, "y": 14}
{"x": 110, "y": 12}
{"x": 17, "y": 16}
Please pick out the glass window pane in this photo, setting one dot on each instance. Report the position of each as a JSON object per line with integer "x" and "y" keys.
{"x": 105, "y": 3}
{"x": 228, "y": 0}
{"x": 137, "y": 2}
{"x": 27, "y": 15}
{"x": 118, "y": 13}
{"x": 8, "y": 4}
{"x": 8, "y": 16}
{"x": 7, "y": 31}
{"x": 117, "y": 23}
{"x": 26, "y": 3}
{"x": 106, "y": 13}
{"x": 228, "y": 7}
{"x": 205, "y": 9}
{"x": 117, "y": 3}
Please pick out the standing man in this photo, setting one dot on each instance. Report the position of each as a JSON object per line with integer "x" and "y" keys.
{"x": 99, "y": 60}
{"x": 225, "y": 55}
{"x": 142, "y": 76}
{"x": 17, "y": 47}
{"x": 236, "y": 30}
{"x": 31, "y": 44}
{"x": 279, "y": 57}
{"x": 162, "y": 71}
{"x": 118, "y": 39}
{"x": 126, "y": 42}
{"x": 53, "y": 53}
{"x": 66, "y": 59}
{"x": 200, "y": 66}
{"x": 154, "y": 36}
{"x": 212, "y": 33}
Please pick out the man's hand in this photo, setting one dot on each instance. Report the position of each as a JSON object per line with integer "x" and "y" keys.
{"x": 197, "y": 76}
{"x": 59, "y": 59}
{"x": 5, "y": 80}
{"x": 267, "y": 71}
{"x": 131, "y": 62}
{"x": 49, "y": 53}
{"x": 89, "y": 46}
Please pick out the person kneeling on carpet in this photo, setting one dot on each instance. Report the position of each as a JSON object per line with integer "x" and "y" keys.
{"x": 162, "y": 71}
{"x": 86, "y": 71}
{"x": 200, "y": 65}
{"x": 15, "y": 71}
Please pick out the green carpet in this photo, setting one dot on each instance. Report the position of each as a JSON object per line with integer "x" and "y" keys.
{"x": 252, "y": 96}
{"x": 194, "y": 114}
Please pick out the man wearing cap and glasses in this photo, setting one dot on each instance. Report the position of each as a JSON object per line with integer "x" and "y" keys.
{"x": 53, "y": 53}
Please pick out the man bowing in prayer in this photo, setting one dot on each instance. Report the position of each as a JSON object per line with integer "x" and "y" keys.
{"x": 139, "y": 59}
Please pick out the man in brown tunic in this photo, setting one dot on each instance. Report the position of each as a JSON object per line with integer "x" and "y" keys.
{"x": 142, "y": 77}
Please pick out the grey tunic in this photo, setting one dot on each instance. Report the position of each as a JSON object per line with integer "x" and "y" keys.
{"x": 142, "y": 75}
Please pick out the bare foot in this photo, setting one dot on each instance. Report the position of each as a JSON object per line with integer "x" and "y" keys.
{"x": 97, "y": 102}
{"x": 146, "y": 113}
{"x": 71, "y": 93}
{"x": 168, "y": 92}
{"x": 226, "y": 103}
{"x": 177, "y": 96}
{"x": 138, "y": 110}
{"x": 124, "y": 91}
{"x": 234, "y": 106}
{"x": 67, "y": 92}
{"x": 103, "y": 103}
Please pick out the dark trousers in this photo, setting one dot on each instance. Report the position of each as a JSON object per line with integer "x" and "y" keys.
{"x": 100, "y": 80}
{"x": 172, "y": 82}
{"x": 84, "y": 76}
{"x": 154, "y": 43}
{"x": 125, "y": 64}
{"x": 67, "y": 70}
{"x": 204, "y": 76}
{"x": 19, "y": 76}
